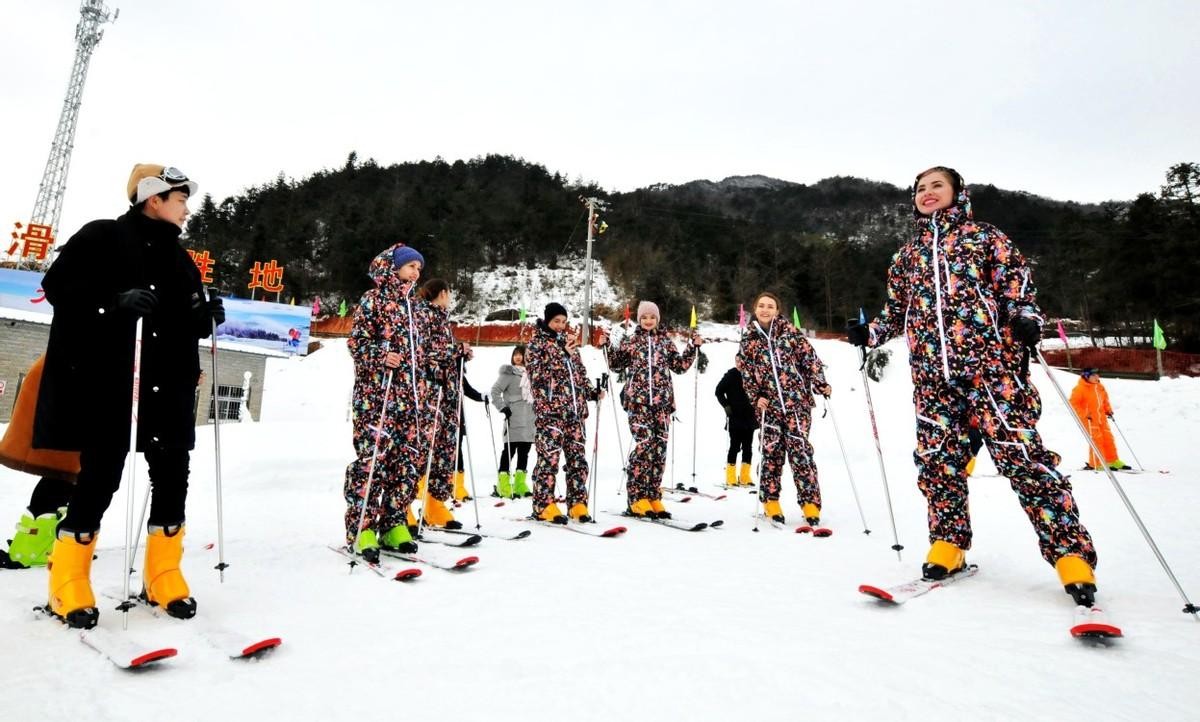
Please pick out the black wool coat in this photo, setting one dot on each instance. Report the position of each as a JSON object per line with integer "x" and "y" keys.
{"x": 731, "y": 395}
{"x": 87, "y": 387}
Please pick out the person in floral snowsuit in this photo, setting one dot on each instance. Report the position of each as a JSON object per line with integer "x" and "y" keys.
{"x": 561, "y": 392}
{"x": 963, "y": 296}
{"x": 434, "y": 310}
{"x": 649, "y": 357}
{"x": 781, "y": 373}
{"x": 389, "y": 343}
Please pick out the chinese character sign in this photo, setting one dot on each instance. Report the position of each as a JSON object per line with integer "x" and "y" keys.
{"x": 35, "y": 241}
{"x": 204, "y": 264}
{"x": 268, "y": 276}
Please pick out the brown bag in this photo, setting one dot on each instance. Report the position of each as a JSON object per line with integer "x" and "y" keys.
{"x": 16, "y": 450}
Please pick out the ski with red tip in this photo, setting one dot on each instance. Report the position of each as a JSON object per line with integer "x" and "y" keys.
{"x": 679, "y": 524}
{"x": 901, "y": 593}
{"x": 382, "y": 570}
{"x": 689, "y": 491}
{"x": 506, "y": 536}
{"x": 587, "y": 529}
{"x": 818, "y": 531}
{"x": 122, "y": 649}
{"x": 235, "y": 644}
{"x": 1092, "y": 623}
{"x": 448, "y": 565}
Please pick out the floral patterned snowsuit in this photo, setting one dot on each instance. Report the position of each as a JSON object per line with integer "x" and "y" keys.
{"x": 649, "y": 357}
{"x": 953, "y": 290}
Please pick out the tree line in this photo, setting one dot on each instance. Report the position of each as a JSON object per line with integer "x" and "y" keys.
{"x": 824, "y": 248}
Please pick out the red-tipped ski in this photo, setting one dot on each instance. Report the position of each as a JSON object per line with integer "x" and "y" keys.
{"x": 1092, "y": 623}
{"x": 817, "y": 531}
{"x": 587, "y": 529}
{"x": 123, "y": 649}
{"x": 901, "y": 593}
{"x": 386, "y": 571}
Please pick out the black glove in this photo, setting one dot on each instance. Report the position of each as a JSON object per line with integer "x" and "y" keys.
{"x": 1026, "y": 331}
{"x": 858, "y": 334}
{"x": 1110, "y": 416}
{"x": 138, "y": 300}
{"x": 507, "y": 412}
{"x": 216, "y": 311}
{"x": 484, "y": 401}
{"x": 728, "y": 410}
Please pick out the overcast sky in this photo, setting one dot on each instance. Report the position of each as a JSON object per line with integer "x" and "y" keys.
{"x": 1084, "y": 99}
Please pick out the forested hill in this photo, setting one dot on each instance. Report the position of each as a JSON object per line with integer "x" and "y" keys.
{"x": 823, "y": 247}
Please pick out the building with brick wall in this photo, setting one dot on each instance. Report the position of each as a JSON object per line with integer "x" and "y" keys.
{"x": 23, "y": 338}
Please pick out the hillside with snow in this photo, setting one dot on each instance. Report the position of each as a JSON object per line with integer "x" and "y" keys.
{"x": 515, "y": 287}
{"x": 725, "y": 624}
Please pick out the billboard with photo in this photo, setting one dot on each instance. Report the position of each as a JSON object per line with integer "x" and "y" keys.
{"x": 277, "y": 327}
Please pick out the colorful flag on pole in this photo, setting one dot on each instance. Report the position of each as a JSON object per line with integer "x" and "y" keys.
{"x": 862, "y": 317}
{"x": 693, "y": 323}
{"x": 521, "y": 315}
{"x": 741, "y": 315}
{"x": 317, "y": 306}
{"x": 1160, "y": 341}
{"x": 627, "y": 315}
{"x": 795, "y": 318}
{"x": 342, "y": 309}
{"x": 1062, "y": 334}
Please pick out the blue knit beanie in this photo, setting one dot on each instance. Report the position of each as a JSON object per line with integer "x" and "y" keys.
{"x": 404, "y": 255}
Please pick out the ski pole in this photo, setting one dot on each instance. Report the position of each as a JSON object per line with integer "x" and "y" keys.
{"x": 487, "y": 409}
{"x": 508, "y": 448}
{"x": 471, "y": 471}
{"x": 762, "y": 447}
{"x": 1127, "y": 446}
{"x": 132, "y": 478}
{"x": 437, "y": 417}
{"x": 1188, "y": 608}
{"x": 387, "y": 390}
{"x": 221, "y": 565}
{"x": 695, "y": 413}
{"x": 612, "y": 397}
{"x": 601, "y": 383}
{"x": 850, "y": 474}
{"x": 887, "y": 494}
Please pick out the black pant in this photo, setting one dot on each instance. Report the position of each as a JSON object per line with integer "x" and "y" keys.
{"x": 49, "y": 496}
{"x": 100, "y": 477}
{"x": 522, "y": 453}
{"x": 742, "y": 439}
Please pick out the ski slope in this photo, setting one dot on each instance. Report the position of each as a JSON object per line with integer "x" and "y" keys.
{"x": 659, "y": 624}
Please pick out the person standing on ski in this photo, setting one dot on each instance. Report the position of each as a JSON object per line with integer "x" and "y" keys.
{"x": 1089, "y": 399}
{"x": 447, "y": 444}
{"x": 108, "y": 275}
{"x": 649, "y": 357}
{"x": 963, "y": 295}
{"x": 390, "y": 406}
{"x": 561, "y": 392}
{"x": 741, "y": 422}
{"x": 511, "y": 397}
{"x": 781, "y": 373}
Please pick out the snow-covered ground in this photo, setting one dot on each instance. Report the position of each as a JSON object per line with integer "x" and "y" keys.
{"x": 657, "y": 625}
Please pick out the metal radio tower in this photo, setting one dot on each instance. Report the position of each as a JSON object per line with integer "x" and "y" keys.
{"x": 47, "y": 209}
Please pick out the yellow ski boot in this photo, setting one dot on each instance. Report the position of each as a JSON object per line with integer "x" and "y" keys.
{"x": 943, "y": 560}
{"x": 163, "y": 583}
{"x": 70, "y": 565}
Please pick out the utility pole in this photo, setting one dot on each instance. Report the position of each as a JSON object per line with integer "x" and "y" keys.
{"x": 593, "y": 205}
{"x": 47, "y": 209}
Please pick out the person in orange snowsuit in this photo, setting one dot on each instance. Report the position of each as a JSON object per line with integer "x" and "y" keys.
{"x": 1090, "y": 401}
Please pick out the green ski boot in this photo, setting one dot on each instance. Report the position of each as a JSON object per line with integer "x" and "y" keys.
{"x": 367, "y": 545}
{"x": 33, "y": 541}
{"x": 399, "y": 539}
{"x": 504, "y": 486}
{"x": 520, "y": 489}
